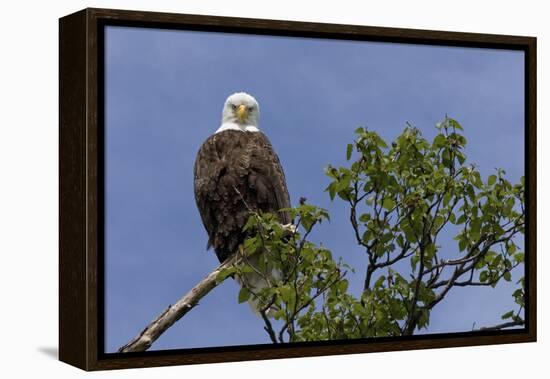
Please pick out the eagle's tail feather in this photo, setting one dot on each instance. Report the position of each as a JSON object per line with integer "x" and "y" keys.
{"x": 255, "y": 283}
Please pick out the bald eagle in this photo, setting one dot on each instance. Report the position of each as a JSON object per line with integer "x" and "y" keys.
{"x": 237, "y": 171}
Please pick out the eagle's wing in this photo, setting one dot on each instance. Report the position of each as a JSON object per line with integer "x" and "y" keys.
{"x": 267, "y": 177}
{"x": 206, "y": 172}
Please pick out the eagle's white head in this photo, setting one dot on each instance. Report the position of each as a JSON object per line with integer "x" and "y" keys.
{"x": 240, "y": 112}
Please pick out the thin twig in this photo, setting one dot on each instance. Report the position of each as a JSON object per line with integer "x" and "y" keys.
{"x": 268, "y": 326}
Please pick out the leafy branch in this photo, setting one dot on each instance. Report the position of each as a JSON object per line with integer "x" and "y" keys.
{"x": 401, "y": 197}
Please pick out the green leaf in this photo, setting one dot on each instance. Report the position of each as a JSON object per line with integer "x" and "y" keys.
{"x": 343, "y": 286}
{"x": 452, "y": 218}
{"x": 246, "y": 269}
{"x": 447, "y": 198}
{"x": 519, "y": 257}
{"x": 483, "y": 276}
{"x": 492, "y": 179}
{"x": 430, "y": 251}
{"x": 358, "y": 309}
{"x": 455, "y": 124}
{"x": 331, "y": 172}
{"x": 223, "y": 274}
{"x": 462, "y": 244}
{"x": 414, "y": 261}
{"x": 475, "y": 228}
{"x": 250, "y": 244}
{"x": 365, "y": 217}
{"x": 381, "y": 143}
{"x": 332, "y": 190}
{"x": 409, "y": 232}
{"x": 388, "y": 203}
{"x": 518, "y": 293}
{"x": 477, "y": 179}
{"x": 461, "y": 219}
{"x": 244, "y": 295}
{"x": 386, "y": 237}
{"x": 349, "y": 151}
{"x": 286, "y": 293}
{"x": 461, "y": 157}
{"x": 439, "y": 141}
{"x": 507, "y": 276}
{"x": 379, "y": 282}
{"x": 471, "y": 193}
{"x": 400, "y": 240}
{"x": 496, "y": 261}
{"x": 437, "y": 222}
{"x": 507, "y": 315}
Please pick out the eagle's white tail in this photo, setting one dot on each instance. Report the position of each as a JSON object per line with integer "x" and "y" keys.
{"x": 256, "y": 282}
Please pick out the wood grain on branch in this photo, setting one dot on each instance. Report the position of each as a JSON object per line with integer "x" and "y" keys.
{"x": 173, "y": 313}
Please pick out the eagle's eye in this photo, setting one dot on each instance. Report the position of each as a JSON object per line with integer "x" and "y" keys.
{"x": 250, "y": 108}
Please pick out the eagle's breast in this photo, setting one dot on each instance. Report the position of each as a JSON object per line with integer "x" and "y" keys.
{"x": 237, "y": 172}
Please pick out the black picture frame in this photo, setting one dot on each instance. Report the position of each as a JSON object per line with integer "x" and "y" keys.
{"x": 81, "y": 264}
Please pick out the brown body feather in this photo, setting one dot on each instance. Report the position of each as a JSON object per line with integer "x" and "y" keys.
{"x": 236, "y": 172}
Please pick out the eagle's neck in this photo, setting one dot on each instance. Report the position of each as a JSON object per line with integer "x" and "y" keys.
{"x": 235, "y": 126}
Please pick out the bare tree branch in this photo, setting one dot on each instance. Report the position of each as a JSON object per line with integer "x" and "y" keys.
{"x": 173, "y": 313}
{"x": 505, "y": 325}
{"x": 268, "y": 326}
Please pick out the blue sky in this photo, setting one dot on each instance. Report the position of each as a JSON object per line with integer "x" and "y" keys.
{"x": 164, "y": 96}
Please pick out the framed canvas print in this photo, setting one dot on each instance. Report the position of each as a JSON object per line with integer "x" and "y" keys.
{"x": 237, "y": 189}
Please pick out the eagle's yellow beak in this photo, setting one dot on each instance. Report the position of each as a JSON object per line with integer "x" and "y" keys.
{"x": 242, "y": 112}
